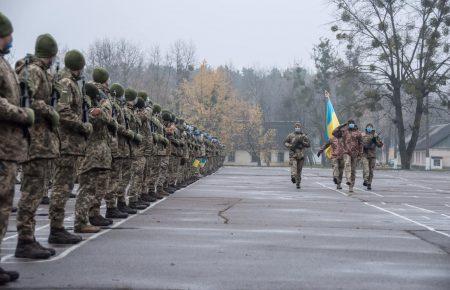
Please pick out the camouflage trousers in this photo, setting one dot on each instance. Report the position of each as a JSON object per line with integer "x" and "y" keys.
{"x": 127, "y": 170}
{"x": 350, "y": 163}
{"x": 114, "y": 182}
{"x": 163, "y": 171}
{"x": 35, "y": 180}
{"x": 137, "y": 179}
{"x": 368, "y": 168}
{"x": 64, "y": 181}
{"x": 173, "y": 170}
{"x": 338, "y": 169}
{"x": 152, "y": 172}
{"x": 7, "y": 180}
{"x": 296, "y": 168}
{"x": 93, "y": 186}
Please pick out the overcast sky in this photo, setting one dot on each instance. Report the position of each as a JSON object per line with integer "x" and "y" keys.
{"x": 262, "y": 33}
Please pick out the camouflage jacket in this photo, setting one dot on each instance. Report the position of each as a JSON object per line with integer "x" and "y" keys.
{"x": 351, "y": 140}
{"x": 123, "y": 134}
{"x": 336, "y": 148}
{"x": 70, "y": 108}
{"x": 134, "y": 123}
{"x": 296, "y": 143}
{"x": 370, "y": 143}
{"x": 13, "y": 144}
{"x": 44, "y": 140}
{"x": 98, "y": 154}
{"x": 143, "y": 128}
{"x": 146, "y": 118}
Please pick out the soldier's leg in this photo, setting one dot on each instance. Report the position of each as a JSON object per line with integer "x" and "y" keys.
{"x": 365, "y": 165}
{"x": 164, "y": 164}
{"x": 354, "y": 162}
{"x": 293, "y": 163}
{"x": 348, "y": 170}
{"x": 126, "y": 178}
{"x": 134, "y": 191}
{"x": 95, "y": 218}
{"x": 65, "y": 174}
{"x": 34, "y": 183}
{"x": 372, "y": 162}
{"x": 90, "y": 182}
{"x": 341, "y": 165}
{"x": 154, "y": 173}
{"x": 114, "y": 183}
{"x": 299, "y": 170}
{"x": 7, "y": 181}
{"x": 335, "y": 166}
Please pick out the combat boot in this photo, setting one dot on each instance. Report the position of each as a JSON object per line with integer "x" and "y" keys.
{"x": 63, "y": 237}
{"x": 137, "y": 206}
{"x": 365, "y": 183}
{"x": 369, "y": 187}
{"x": 171, "y": 189}
{"x": 45, "y": 200}
{"x": 163, "y": 192}
{"x": 293, "y": 178}
{"x": 8, "y": 276}
{"x": 335, "y": 180}
{"x": 123, "y": 207}
{"x": 147, "y": 197}
{"x": 350, "y": 188}
{"x": 51, "y": 250}
{"x": 31, "y": 250}
{"x": 99, "y": 221}
{"x": 87, "y": 229}
{"x": 141, "y": 201}
{"x": 115, "y": 213}
{"x": 338, "y": 186}
{"x": 297, "y": 185}
{"x": 72, "y": 195}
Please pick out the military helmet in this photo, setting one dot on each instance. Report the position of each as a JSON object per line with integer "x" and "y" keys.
{"x": 156, "y": 108}
{"x": 130, "y": 94}
{"x": 100, "y": 75}
{"x": 74, "y": 60}
{"x": 6, "y": 27}
{"x": 140, "y": 103}
{"x": 166, "y": 115}
{"x": 46, "y": 46}
{"x": 116, "y": 90}
{"x": 91, "y": 90}
{"x": 143, "y": 95}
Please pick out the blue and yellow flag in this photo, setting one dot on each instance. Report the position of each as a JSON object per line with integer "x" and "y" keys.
{"x": 332, "y": 123}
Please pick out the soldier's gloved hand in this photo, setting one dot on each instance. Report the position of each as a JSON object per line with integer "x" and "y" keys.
{"x": 30, "y": 117}
{"x": 138, "y": 138}
{"x": 318, "y": 153}
{"x": 87, "y": 128}
{"x": 374, "y": 139}
{"x": 54, "y": 118}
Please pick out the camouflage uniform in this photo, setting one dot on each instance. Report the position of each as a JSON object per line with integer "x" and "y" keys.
{"x": 296, "y": 143}
{"x": 44, "y": 145}
{"x": 370, "y": 142}
{"x": 13, "y": 144}
{"x": 163, "y": 156}
{"x": 119, "y": 157}
{"x": 138, "y": 164}
{"x": 352, "y": 150}
{"x": 94, "y": 173}
{"x": 73, "y": 134}
{"x": 127, "y": 162}
{"x": 152, "y": 177}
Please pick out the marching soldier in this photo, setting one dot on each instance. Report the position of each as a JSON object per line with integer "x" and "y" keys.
{"x": 15, "y": 120}
{"x": 33, "y": 70}
{"x": 74, "y": 131}
{"x": 371, "y": 141}
{"x": 296, "y": 142}
{"x": 352, "y": 149}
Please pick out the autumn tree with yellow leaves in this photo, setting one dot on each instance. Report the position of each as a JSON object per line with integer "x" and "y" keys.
{"x": 210, "y": 102}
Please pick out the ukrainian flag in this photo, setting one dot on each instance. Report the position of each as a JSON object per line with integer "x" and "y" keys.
{"x": 332, "y": 123}
{"x": 196, "y": 163}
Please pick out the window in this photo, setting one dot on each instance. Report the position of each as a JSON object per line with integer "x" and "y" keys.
{"x": 437, "y": 162}
{"x": 255, "y": 157}
{"x": 232, "y": 156}
{"x": 280, "y": 157}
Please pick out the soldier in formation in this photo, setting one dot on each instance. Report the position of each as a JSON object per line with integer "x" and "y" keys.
{"x": 119, "y": 146}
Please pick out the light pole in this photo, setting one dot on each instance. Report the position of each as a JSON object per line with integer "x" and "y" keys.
{"x": 427, "y": 124}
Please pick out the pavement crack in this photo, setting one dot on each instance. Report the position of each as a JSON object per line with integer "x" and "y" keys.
{"x": 221, "y": 212}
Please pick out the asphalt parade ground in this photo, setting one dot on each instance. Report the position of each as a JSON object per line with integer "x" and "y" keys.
{"x": 249, "y": 228}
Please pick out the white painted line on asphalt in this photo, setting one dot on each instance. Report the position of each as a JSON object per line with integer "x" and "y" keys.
{"x": 369, "y": 191}
{"x": 337, "y": 190}
{"x": 73, "y": 248}
{"x": 447, "y": 216}
{"x": 419, "y": 208}
{"x": 425, "y": 217}
{"x": 408, "y": 219}
{"x": 420, "y": 186}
